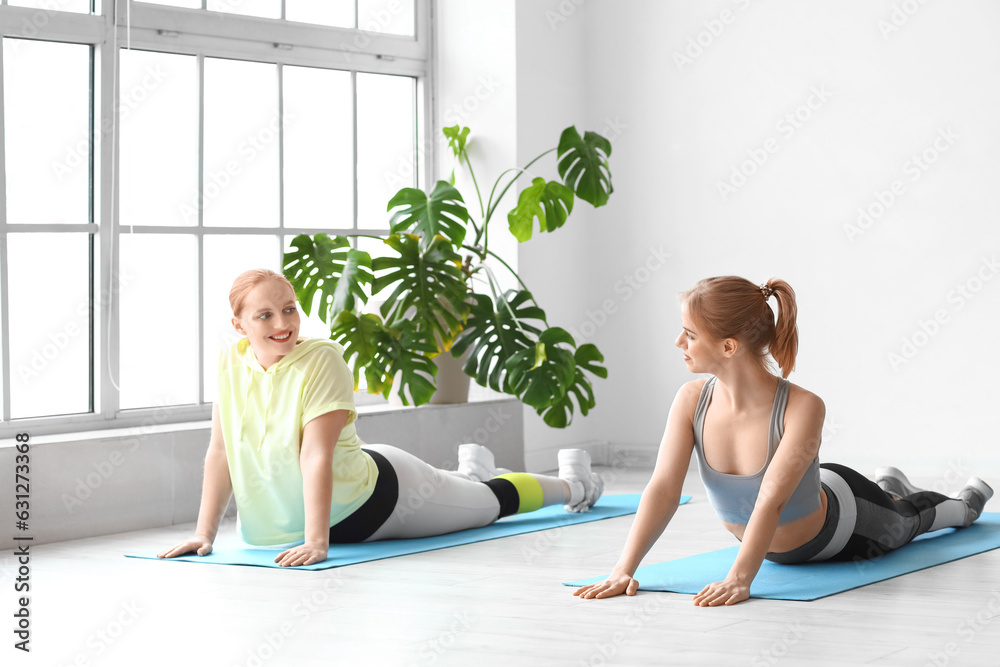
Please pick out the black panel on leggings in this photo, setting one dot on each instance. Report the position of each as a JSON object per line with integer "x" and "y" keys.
{"x": 507, "y": 495}
{"x": 364, "y": 521}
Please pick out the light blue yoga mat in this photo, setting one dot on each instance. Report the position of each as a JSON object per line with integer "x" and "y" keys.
{"x": 236, "y": 553}
{"x": 811, "y": 581}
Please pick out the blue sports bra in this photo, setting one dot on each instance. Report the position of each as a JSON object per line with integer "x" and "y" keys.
{"x": 733, "y": 496}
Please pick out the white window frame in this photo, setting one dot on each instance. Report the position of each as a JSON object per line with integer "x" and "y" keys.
{"x": 190, "y": 32}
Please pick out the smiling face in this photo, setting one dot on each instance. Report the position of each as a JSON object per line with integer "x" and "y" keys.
{"x": 270, "y": 320}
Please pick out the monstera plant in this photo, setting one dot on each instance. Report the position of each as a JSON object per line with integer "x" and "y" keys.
{"x": 441, "y": 296}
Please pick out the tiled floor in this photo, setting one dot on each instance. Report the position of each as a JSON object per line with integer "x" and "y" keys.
{"x": 491, "y": 603}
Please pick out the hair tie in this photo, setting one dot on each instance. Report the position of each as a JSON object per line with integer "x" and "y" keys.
{"x": 767, "y": 291}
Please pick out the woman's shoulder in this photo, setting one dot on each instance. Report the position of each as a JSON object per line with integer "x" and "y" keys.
{"x": 687, "y": 396}
{"x": 318, "y": 347}
{"x": 804, "y": 403}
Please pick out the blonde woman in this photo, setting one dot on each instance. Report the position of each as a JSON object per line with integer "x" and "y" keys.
{"x": 756, "y": 437}
{"x": 284, "y": 442}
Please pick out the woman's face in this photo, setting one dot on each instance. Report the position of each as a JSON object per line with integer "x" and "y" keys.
{"x": 270, "y": 320}
{"x": 701, "y": 354}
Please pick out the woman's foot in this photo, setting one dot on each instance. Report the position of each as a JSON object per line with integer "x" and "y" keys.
{"x": 585, "y": 485}
{"x": 975, "y": 493}
{"x": 476, "y": 463}
{"x": 894, "y": 482}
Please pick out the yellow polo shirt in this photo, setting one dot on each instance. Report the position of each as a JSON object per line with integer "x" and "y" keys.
{"x": 263, "y": 415}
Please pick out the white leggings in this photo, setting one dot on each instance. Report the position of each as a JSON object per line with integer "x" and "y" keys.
{"x": 432, "y": 501}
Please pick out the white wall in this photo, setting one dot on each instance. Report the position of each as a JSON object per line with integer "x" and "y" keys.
{"x": 880, "y": 95}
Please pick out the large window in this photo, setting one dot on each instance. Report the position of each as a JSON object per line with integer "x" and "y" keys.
{"x": 140, "y": 177}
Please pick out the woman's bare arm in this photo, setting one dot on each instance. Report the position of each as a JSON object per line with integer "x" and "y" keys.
{"x": 216, "y": 490}
{"x": 660, "y": 498}
{"x": 319, "y": 438}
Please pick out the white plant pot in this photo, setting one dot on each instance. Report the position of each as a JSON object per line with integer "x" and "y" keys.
{"x": 452, "y": 384}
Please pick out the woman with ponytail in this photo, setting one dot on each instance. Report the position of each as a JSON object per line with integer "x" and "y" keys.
{"x": 756, "y": 437}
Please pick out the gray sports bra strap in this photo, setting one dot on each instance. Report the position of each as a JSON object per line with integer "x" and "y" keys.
{"x": 702, "y": 408}
{"x": 777, "y": 417}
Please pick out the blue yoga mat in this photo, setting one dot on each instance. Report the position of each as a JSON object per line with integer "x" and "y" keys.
{"x": 811, "y": 581}
{"x": 236, "y": 553}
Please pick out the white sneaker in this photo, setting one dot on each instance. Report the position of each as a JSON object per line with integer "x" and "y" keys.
{"x": 476, "y": 462}
{"x": 585, "y": 485}
{"x": 975, "y": 493}
{"x": 894, "y": 482}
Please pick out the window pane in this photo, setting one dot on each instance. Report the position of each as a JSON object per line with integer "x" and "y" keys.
{"x": 386, "y": 144}
{"x": 190, "y": 4}
{"x": 225, "y": 258}
{"x": 337, "y": 13}
{"x": 47, "y": 102}
{"x": 49, "y": 324}
{"x": 269, "y": 9}
{"x": 241, "y": 144}
{"x": 159, "y": 320}
{"x": 158, "y": 172}
{"x": 79, "y": 6}
{"x": 318, "y": 151}
{"x": 393, "y": 17}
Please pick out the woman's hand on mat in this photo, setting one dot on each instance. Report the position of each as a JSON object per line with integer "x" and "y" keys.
{"x": 304, "y": 554}
{"x": 615, "y": 584}
{"x": 199, "y": 545}
{"x": 722, "y": 592}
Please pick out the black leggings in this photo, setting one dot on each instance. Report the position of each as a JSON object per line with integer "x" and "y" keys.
{"x": 364, "y": 521}
{"x": 881, "y": 523}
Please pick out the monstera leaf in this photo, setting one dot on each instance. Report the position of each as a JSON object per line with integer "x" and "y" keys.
{"x": 457, "y": 137}
{"x": 359, "y": 335}
{"x": 328, "y": 267}
{"x": 583, "y": 168}
{"x": 550, "y": 202}
{"x": 542, "y": 374}
{"x": 405, "y": 352}
{"x": 429, "y": 286}
{"x": 496, "y": 334}
{"x": 442, "y": 213}
{"x": 560, "y": 413}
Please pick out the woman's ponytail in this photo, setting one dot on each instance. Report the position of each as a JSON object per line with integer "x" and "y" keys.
{"x": 785, "y": 345}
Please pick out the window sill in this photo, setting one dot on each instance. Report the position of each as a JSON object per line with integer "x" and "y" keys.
{"x": 477, "y": 396}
